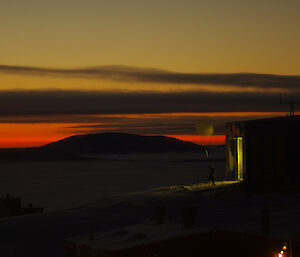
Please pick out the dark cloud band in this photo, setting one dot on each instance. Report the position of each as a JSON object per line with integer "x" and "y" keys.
{"x": 146, "y": 75}
{"x": 20, "y": 103}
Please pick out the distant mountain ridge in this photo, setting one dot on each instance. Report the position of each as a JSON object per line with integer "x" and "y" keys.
{"x": 78, "y": 146}
{"x": 120, "y": 143}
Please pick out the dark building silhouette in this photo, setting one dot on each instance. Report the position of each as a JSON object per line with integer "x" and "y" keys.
{"x": 264, "y": 151}
{"x": 11, "y": 206}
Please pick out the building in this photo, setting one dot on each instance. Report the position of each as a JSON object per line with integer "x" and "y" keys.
{"x": 150, "y": 242}
{"x": 264, "y": 151}
{"x": 11, "y": 206}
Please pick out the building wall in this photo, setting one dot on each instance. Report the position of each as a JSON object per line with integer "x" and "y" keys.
{"x": 267, "y": 159}
{"x": 271, "y": 150}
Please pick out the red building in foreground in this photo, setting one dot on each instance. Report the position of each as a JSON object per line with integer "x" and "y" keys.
{"x": 125, "y": 243}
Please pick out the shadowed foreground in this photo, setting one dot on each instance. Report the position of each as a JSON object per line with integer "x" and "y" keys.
{"x": 42, "y": 235}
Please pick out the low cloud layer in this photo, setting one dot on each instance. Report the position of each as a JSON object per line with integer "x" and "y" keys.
{"x": 20, "y": 103}
{"x": 147, "y": 75}
{"x": 116, "y": 111}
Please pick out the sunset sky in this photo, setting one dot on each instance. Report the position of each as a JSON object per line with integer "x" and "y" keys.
{"x": 145, "y": 67}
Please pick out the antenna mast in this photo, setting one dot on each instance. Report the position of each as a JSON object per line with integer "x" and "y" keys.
{"x": 291, "y": 104}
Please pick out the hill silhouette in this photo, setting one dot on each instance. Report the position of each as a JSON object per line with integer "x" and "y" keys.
{"x": 75, "y": 147}
{"x": 120, "y": 143}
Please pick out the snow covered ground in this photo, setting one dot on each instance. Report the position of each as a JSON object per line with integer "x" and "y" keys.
{"x": 113, "y": 194}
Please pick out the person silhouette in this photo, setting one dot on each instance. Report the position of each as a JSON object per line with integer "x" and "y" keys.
{"x": 211, "y": 176}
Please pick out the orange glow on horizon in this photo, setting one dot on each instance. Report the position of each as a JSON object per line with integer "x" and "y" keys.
{"x": 27, "y": 142}
{"x": 19, "y": 135}
{"x": 31, "y": 134}
{"x": 35, "y": 142}
{"x": 202, "y": 140}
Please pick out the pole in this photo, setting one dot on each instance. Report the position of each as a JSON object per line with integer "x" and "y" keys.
{"x": 291, "y": 104}
{"x": 265, "y": 222}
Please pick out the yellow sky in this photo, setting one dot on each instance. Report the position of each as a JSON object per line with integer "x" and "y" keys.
{"x": 258, "y": 36}
{"x": 184, "y": 36}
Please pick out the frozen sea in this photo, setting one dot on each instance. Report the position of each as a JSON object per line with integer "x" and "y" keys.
{"x": 63, "y": 185}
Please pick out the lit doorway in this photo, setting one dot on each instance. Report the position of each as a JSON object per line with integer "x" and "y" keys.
{"x": 235, "y": 159}
{"x": 239, "y": 158}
